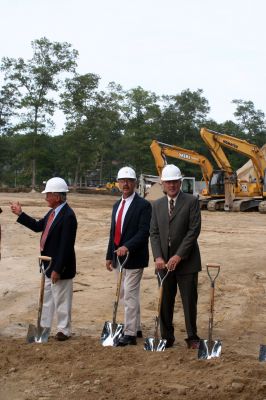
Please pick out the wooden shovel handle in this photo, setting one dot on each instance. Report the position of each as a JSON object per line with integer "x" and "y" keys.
{"x": 45, "y": 258}
{"x": 212, "y": 279}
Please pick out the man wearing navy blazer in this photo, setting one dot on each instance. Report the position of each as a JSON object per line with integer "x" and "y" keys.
{"x": 58, "y": 229}
{"x": 175, "y": 227}
{"x": 129, "y": 232}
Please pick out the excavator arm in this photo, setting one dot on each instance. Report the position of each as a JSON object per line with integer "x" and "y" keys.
{"x": 241, "y": 146}
{"x": 216, "y": 150}
{"x": 253, "y": 189}
{"x": 161, "y": 150}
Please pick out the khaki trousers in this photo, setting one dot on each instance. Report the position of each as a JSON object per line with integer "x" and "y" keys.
{"x": 57, "y": 300}
{"x": 130, "y": 296}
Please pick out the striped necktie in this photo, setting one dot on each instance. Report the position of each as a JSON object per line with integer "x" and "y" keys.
{"x": 46, "y": 230}
{"x": 172, "y": 206}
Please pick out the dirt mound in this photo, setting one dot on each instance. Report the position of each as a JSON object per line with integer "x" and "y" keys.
{"x": 83, "y": 369}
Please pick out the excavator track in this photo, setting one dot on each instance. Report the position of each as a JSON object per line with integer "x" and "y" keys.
{"x": 246, "y": 204}
{"x": 215, "y": 205}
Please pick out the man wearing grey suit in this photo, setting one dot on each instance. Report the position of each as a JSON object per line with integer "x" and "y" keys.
{"x": 175, "y": 227}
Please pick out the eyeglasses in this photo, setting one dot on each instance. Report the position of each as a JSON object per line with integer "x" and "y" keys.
{"x": 126, "y": 180}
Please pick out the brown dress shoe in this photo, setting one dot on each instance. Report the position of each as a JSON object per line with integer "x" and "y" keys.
{"x": 61, "y": 337}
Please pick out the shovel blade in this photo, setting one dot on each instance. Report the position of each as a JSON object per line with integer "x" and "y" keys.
{"x": 37, "y": 335}
{"x": 111, "y": 334}
{"x": 262, "y": 354}
{"x": 208, "y": 350}
{"x": 152, "y": 344}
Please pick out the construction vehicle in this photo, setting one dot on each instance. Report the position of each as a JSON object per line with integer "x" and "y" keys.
{"x": 240, "y": 195}
{"x": 214, "y": 179}
{"x": 112, "y": 186}
{"x": 147, "y": 183}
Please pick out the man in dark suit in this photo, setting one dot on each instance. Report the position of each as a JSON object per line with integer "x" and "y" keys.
{"x": 175, "y": 227}
{"x": 58, "y": 229}
{"x": 130, "y": 233}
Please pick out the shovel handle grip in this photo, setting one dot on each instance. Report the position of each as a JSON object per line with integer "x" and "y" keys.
{"x": 45, "y": 258}
{"x": 121, "y": 265}
{"x": 213, "y": 266}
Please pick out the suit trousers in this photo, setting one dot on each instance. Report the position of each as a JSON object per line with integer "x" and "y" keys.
{"x": 58, "y": 300}
{"x": 187, "y": 285}
{"x": 130, "y": 296}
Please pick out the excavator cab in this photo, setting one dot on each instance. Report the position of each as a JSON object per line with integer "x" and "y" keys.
{"x": 216, "y": 184}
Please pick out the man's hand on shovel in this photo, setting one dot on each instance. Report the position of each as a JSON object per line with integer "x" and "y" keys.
{"x": 121, "y": 251}
{"x": 173, "y": 262}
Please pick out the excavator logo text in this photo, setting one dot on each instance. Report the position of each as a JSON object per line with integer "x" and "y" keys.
{"x": 235, "y": 146}
{"x": 185, "y": 156}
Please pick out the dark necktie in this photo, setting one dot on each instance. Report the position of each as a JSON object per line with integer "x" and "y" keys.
{"x": 119, "y": 224}
{"x": 172, "y": 206}
{"x": 46, "y": 230}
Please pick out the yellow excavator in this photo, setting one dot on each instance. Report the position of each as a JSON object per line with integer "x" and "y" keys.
{"x": 240, "y": 195}
{"x": 161, "y": 150}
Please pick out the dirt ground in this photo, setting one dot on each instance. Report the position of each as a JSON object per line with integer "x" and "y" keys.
{"x": 81, "y": 368}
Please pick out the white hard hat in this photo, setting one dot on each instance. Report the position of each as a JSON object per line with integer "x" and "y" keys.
{"x": 171, "y": 173}
{"x": 55, "y": 185}
{"x": 126, "y": 172}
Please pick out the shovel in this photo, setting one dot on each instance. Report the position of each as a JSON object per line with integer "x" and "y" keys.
{"x": 154, "y": 343}
{"x": 39, "y": 334}
{"x": 112, "y": 331}
{"x": 210, "y": 348}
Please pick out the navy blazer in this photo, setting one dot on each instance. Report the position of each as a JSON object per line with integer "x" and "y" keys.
{"x": 60, "y": 240}
{"x": 135, "y": 233}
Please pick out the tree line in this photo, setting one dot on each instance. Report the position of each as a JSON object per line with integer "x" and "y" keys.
{"x": 104, "y": 129}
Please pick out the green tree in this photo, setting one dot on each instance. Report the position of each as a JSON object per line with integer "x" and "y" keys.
{"x": 37, "y": 80}
{"x": 252, "y": 121}
{"x": 142, "y": 122}
{"x": 93, "y": 123}
{"x": 182, "y": 116}
{"x": 9, "y": 97}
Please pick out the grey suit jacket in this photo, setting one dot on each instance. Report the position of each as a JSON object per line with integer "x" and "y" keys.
{"x": 182, "y": 230}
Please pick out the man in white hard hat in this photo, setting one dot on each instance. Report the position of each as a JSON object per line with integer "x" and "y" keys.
{"x": 175, "y": 227}
{"x": 129, "y": 233}
{"x": 58, "y": 229}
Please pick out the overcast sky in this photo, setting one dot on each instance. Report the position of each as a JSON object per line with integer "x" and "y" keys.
{"x": 164, "y": 46}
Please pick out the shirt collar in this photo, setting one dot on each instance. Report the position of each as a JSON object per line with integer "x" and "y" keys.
{"x": 58, "y": 208}
{"x": 174, "y": 198}
{"x": 130, "y": 198}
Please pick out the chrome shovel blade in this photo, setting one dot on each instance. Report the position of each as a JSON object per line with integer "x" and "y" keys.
{"x": 262, "y": 355}
{"x": 111, "y": 334}
{"x": 36, "y": 335}
{"x": 152, "y": 344}
{"x": 209, "y": 350}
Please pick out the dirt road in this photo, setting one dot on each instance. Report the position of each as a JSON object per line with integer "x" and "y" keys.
{"x": 81, "y": 368}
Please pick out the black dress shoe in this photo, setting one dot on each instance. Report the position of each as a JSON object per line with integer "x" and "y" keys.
{"x": 139, "y": 334}
{"x": 193, "y": 342}
{"x": 169, "y": 343}
{"x": 127, "y": 340}
{"x": 61, "y": 337}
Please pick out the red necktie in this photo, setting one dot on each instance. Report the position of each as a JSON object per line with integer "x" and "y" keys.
{"x": 46, "y": 230}
{"x": 118, "y": 224}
